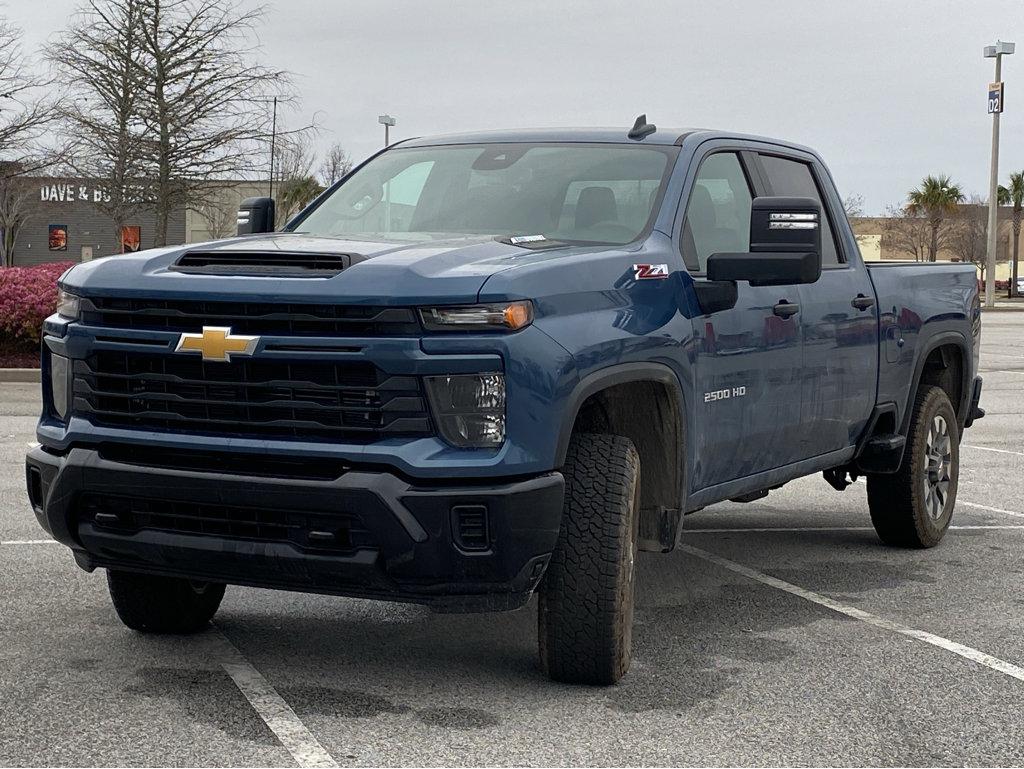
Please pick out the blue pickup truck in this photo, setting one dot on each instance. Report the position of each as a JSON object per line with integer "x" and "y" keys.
{"x": 487, "y": 365}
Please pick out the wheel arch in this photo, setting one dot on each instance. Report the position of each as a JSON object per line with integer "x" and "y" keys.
{"x": 643, "y": 402}
{"x": 944, "y": 361}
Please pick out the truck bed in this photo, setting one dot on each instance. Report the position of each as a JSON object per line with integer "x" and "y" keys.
{"x": 917, "y": 300}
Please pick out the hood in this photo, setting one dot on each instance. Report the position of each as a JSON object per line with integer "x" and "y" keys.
{"x": 381, "y": 272}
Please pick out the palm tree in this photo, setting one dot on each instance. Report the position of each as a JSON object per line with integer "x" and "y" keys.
{"x": 296, "y": 193}
{"x": 1014, "y": 194}
{"x": 936, "y": 197}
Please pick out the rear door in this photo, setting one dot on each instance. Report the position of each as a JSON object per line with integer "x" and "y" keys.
{"x": 747, "y": 359}
{"x": 838, "y": 316}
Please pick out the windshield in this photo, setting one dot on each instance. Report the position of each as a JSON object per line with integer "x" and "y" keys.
{"x": 567, "y": 192}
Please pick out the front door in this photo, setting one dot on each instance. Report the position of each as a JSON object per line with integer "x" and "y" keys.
{"x": 838, "y": 318}
{"x": 747, "y": 360}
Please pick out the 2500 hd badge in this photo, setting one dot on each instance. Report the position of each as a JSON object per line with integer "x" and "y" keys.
{"x": 721, "y": 395}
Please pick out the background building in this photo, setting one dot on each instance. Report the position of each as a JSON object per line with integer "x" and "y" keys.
{"x": 62, "y": 221}
{"x": 961, "y": 239}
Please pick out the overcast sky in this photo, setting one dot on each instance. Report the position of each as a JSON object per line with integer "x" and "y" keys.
{"x": 887, "y": 91}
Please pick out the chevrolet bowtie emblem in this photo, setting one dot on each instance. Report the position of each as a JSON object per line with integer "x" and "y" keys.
{"x": 217, "y": 343}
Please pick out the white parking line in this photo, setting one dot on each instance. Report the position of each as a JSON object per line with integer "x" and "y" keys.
{"x": 1010, "y": 355}
{"x": 779, "y": 528}
{"x": 28, "y": 542}
{"x": 272, "y": 708}
{"x": 997, "y": 451}
{"x": 836, "y": 528}
{"x": 980, "y": 657}
{"x": 265, "y": 700}
{"x": 990, "y": 509}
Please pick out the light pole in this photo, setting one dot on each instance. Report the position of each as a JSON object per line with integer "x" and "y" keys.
{"x": 387, "y": 121}
{"x": 273, "y": 141}
{"x": 995, "y": 106}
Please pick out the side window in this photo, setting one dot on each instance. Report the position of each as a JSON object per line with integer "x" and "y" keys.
{"x": 793, "y": 178}
{"x": 718, "y": 212}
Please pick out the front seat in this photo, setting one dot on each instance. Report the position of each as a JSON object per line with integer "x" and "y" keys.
{"x": 702, "y": 234}
{"x": 595, "y": 204}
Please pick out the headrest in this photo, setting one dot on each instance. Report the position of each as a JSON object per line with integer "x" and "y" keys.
{"x": 595, "y": 204}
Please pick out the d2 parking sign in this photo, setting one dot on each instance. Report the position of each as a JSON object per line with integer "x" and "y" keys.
{"x": 995, "y": 97}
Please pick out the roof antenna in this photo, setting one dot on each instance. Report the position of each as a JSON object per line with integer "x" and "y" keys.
{"x": 641, "y": 128}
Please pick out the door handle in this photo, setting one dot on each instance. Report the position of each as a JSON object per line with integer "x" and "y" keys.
{"x": 862, "y": 302}
{"x": 786, "y": 309}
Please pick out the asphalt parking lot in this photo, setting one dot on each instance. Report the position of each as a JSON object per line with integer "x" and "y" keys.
{"x": 783, "y": 633}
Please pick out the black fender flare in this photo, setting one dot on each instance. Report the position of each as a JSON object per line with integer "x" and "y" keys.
{"x": 662, "y": 503}
{"x": 932, "y": 343}
{"x": 610, "y": 376}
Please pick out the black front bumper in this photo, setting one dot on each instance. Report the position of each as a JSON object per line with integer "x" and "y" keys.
{"x": 455, "y": 546}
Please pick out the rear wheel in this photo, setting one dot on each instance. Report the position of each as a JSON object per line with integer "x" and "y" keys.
{"x": 914, "y": 506}
{"x": 585, "y": 610}
{"x": 152, "y": 604}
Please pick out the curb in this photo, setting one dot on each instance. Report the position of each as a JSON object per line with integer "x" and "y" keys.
{"x": 19, "y": 375}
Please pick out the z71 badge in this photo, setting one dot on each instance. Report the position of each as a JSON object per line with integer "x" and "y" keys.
{"x": 650, "y": 271}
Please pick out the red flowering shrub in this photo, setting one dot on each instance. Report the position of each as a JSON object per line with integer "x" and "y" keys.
{"x": 27, "y": 296}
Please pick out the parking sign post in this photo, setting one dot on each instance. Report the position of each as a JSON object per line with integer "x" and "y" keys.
{"x": 995, "y": 107}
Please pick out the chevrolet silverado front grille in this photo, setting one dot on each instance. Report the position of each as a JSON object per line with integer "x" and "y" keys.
{"x": 312, "y": 399}
{"x": 250, "y": 317}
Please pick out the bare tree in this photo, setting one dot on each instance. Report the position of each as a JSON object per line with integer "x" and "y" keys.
{"x": 26, "y": 115}
{"x": 99, "y": 58}
{"x": 218, "y": 208}
{"x": 336, "y": 165}
{"x": 14, "y": 213}
{"x": 908, "y": 232}
{"x": 853, "y": 205}
{"x": 204, "y": 106}
{"x": 967, "y": 237}
{"x": 294, "y": 180}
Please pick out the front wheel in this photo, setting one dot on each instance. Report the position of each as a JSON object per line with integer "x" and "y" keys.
{"x": 914, "y": 506}
{"x": 585, "y": 609}
{"x": 152, "y": 604}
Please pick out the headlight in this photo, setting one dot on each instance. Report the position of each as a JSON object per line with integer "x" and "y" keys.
{"x": 68, "y": 305}
{"x": 59, "y": 385}
{"x": 505, "y": 316}
{"x": 469, "y": 409}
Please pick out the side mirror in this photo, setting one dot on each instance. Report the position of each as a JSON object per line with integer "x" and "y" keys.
{"x": 785, "y": 245}
{"x": 256, "y": 215}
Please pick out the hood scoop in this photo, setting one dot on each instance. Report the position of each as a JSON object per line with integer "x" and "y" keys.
{"x": 277, "y": 264}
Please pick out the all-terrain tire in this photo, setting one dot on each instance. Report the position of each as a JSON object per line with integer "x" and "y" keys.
{"x": 585, "y": 608}
{"x": 914, "y": 506}
{"x": 152, "y": 604}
